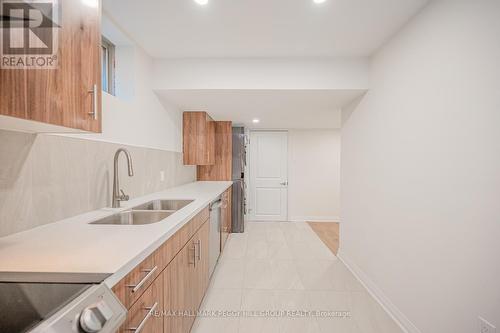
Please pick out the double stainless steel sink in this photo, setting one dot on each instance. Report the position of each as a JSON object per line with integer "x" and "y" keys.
{"x": 164, "y": 205}
{"x": 147, "y": 213}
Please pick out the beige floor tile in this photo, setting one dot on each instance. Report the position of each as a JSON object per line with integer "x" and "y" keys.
{"x": 298, "y": 325}
{"x": 285, "y": 266}
{"x": 258, "y": 299}
{"x": 258, "y": 325}
{"x": 337, "y": 306}
{"x": 229, "y": 274}
{"x": 215, "y": 325}
{"x": 275, "y": 234}
{"x": 318, "y": 274}
{"x": 340, "y": 325}
{"x": 370, "y": 316}
{"x": 279, "y": 251}
{"x": 257, "y": 248}
{"x": 222, "y": 300}
{"x": 297, "y": 300}
{"x": 259, "y": 274}
{"x": 285, "y": 275}
{"x": 236, "y": 247}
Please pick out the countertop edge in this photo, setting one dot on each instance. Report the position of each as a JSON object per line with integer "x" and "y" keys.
{"x": 117, "y": 276}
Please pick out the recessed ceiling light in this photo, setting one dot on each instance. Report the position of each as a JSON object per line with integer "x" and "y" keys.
{"x": 255, "y": 121}
{"x": 319, "y": 1}
{"x": 201, "y": 2}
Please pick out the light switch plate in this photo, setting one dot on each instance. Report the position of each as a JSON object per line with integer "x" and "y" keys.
{"x": 486, "y": 327}
{"x": 162, "y": 176}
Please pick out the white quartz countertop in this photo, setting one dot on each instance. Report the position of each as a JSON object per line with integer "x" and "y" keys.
{"x": 75, "y": 246}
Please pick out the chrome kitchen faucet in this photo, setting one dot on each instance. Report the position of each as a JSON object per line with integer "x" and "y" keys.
{"x": 118, "y": 194}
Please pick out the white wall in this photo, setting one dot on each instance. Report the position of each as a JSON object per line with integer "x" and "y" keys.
{"x": 314, "y": 175}
{"x": 261, "y": 74}
{"x": 421, "y": 171}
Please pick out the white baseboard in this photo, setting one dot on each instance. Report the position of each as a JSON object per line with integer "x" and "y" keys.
{"x": 314, "y": 219}
{"x": 406, "y": 325}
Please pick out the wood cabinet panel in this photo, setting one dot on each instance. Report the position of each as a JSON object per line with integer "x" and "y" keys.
{"x": 175, "y": 243}
{"x": 183, "y": 272}
{"x": 198, "y": 138}
{"x": 130, "y": 288}
{"x": 178, "y": 298}
{"x": 202, "y": 267}
{"x": 222, "y": 168}
{"x": 141, "y": 312}
{"x": 159, "y": 259}
{"x": 61, "y": 96}
{"x": 186, "y": 282}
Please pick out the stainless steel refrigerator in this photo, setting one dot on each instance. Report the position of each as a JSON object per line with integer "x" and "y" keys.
{"x": 238, "y": 177}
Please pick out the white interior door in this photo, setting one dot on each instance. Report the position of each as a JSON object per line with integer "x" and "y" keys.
{"x": 268, "y": 175}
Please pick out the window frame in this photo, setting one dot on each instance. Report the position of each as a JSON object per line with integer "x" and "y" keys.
{"x": 109, "y": 48}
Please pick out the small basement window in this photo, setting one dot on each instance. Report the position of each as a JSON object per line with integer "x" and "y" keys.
{"x": 108, "y": 66}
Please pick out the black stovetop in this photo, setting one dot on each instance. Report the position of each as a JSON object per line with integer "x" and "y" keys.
{"x": 24, "y": 305}
{"x": 26, "y": 299}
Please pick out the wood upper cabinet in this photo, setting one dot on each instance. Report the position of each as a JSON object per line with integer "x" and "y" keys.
{"x": 198, "y": 138}
{"x": 147, "y": 311}
{"x": 226, "y": 216}
{"x": 223, "y": 165}
{"x": 68, "y": 95}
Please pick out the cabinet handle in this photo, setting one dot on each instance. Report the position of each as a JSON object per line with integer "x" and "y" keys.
{"x": 138, "y": 286}
{"x": 139, "y": 328}
{"x": 94, "y": 92}
{"x": 194, "y": 255}
{"x": 198, "y": 242}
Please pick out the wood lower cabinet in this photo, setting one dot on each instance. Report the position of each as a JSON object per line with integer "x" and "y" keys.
{"x": 226, "y": 216}
{"x": 146, "y": 313}
{"x": 179, "y": 279}
{"x": 175, "y": 277}
{"x": 202, "y": 266}
{"x": 68, "y": 95}
{"x": 186, "y": 280}
{"x": 136, "y": 282}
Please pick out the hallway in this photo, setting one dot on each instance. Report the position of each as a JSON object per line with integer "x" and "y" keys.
{"x": 285, "y": 266}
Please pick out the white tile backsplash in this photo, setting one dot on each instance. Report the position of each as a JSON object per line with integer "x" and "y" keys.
{"x": 45, "y": 178}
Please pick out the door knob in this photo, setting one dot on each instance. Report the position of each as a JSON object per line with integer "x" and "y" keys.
{"x": 285, "y": 183}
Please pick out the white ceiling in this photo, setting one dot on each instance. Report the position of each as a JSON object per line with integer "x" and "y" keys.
{"x": 276, "y": 109}
{"x": 261, "y": 28}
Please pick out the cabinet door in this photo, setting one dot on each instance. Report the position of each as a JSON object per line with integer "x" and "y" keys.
{"x": 63, "y": 96}
{"x": 179, "y": 283}
{"x": 131, "y": 287}
{"x": 198, "y": 138}
{"x": 186, "y": 280}
{"x": 202, "y": 265}
{"x": 145, "y": 314}
{"x": 222, "y": 169}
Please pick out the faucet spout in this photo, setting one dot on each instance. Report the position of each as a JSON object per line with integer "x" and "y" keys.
{"x": 117, "y": 196}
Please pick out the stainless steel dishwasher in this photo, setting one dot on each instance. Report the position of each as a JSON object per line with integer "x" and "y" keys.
{"x": 215, "y": 233}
